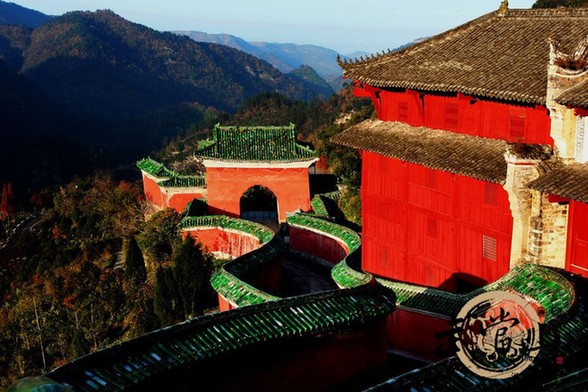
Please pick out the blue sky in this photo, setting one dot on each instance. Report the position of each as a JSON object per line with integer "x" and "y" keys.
{"x": 343, "y": 25}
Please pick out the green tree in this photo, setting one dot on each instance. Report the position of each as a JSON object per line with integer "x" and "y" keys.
{"x": 159, "y": 234}
{"x": 192, "y": 269}
{"x": 163, "y": 298}
{"x": 135, "y": 271}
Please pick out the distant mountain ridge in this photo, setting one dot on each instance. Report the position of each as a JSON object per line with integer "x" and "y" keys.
{"x": 100, "y": 62}
{"x": 116, "y": 90}
{"x": 285, "y": 57}
{"x": 14, "y": 14}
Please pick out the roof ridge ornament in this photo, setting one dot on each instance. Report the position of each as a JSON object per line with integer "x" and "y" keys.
{"x": 577, "y": 61}
{"x": 503, "y": 9}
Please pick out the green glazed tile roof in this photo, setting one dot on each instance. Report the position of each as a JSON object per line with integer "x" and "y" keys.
{"x": 171, "y": 179}
{"x": 183, "y": 182}
{"x": 260, "y": 144}
{"x": 564, "y": 334}
{"x": 229, "y": 281}
{"x": 348, "y": 236}
{"x": 548, "y": 287}
{"x": 342, "y": 273}
{"x": 132, "y": 364}
{"x": 347, "y": 277}
{"x": 155, "y": 168}
{"x": 263, "y": 233}
{"x": 318, "y": 206}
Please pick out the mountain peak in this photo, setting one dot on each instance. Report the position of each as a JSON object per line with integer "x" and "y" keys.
{"x": 14, "y": 14}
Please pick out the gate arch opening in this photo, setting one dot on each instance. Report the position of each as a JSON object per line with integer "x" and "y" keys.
{"x": 259, "y": 204}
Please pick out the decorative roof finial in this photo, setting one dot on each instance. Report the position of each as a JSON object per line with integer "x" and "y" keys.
{"x": 503, "y": 9}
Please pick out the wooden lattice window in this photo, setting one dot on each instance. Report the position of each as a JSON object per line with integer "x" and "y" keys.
{"x": 451, "y": 115}
{"x": 517, "y": 127}
{"x": 489, "y": 247}
{"x": 403, "y": 111}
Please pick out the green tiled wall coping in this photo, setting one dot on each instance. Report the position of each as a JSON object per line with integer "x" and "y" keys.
{"x": 229, "y": 280}
{"x": 170, "y": 178}
{"x": 564, "y": 335}
{"x": 546, "y": 286}
{"x": 335, "y": 195}
{"x": 184, "y": 182}
{"x": 154, "y": 168}
{"x": 346, "y": 235}
{"x": 342, "y": 273}
{"x": 554, "y": 292}
{"x": 263, "y": 233}
{"x": 318, "y": 206}
{"x": 131, "y": 364}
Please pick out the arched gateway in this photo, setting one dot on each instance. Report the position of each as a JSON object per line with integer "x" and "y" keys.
{"x": 237, "y": 159}
{"x": 240, "y": 158}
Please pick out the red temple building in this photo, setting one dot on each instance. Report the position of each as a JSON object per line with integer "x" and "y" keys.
{"x": 475, "y": 164}
{"x": 475, "y": 173}
{"x": 238, "y": 159}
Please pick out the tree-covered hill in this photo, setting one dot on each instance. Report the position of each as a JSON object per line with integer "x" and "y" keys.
{"x": 306, "y": 74}
{"x": 285, "y": 57}
{"x": 98, "y": 62}
{"x": 14, "y": 14}
{"x": 112, "y": 91}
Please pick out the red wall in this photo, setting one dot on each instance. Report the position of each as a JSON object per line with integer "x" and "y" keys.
{"x": 424, "y": 335}
{"x": 179, "y": 201}
{"x": 326, "y": 361}
{"x": 217, "y": 240}
{"x": 153, "y": 193}
{"x": 577, "y": 252}
{"x": 223, "y": 304}
{"x": 425, "y": 226}
{"x": 227, "y": 185}
{"x": 316, "y": 244}
{"x": 463, "y": 114}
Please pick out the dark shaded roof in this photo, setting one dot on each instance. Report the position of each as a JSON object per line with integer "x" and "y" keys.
{"x": 470, "y": 156}
{"x": 569, "y": 181}
{"x": 258, "y": 144}
{"x": 500, "y": 57}
{"x": 576, "y": 96}
{"x": 132, "y": 364}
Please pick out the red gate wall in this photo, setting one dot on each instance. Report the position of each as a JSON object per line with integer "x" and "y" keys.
{"x": 152, "y": 192}
{"x": 157, "y": 196}
{"x": 227, "y": 185}
{"x": 577, "y": 249}
{"x": 431, "y": 227}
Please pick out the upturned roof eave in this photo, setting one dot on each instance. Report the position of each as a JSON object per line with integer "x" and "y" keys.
{"x": 393, "y": 141}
